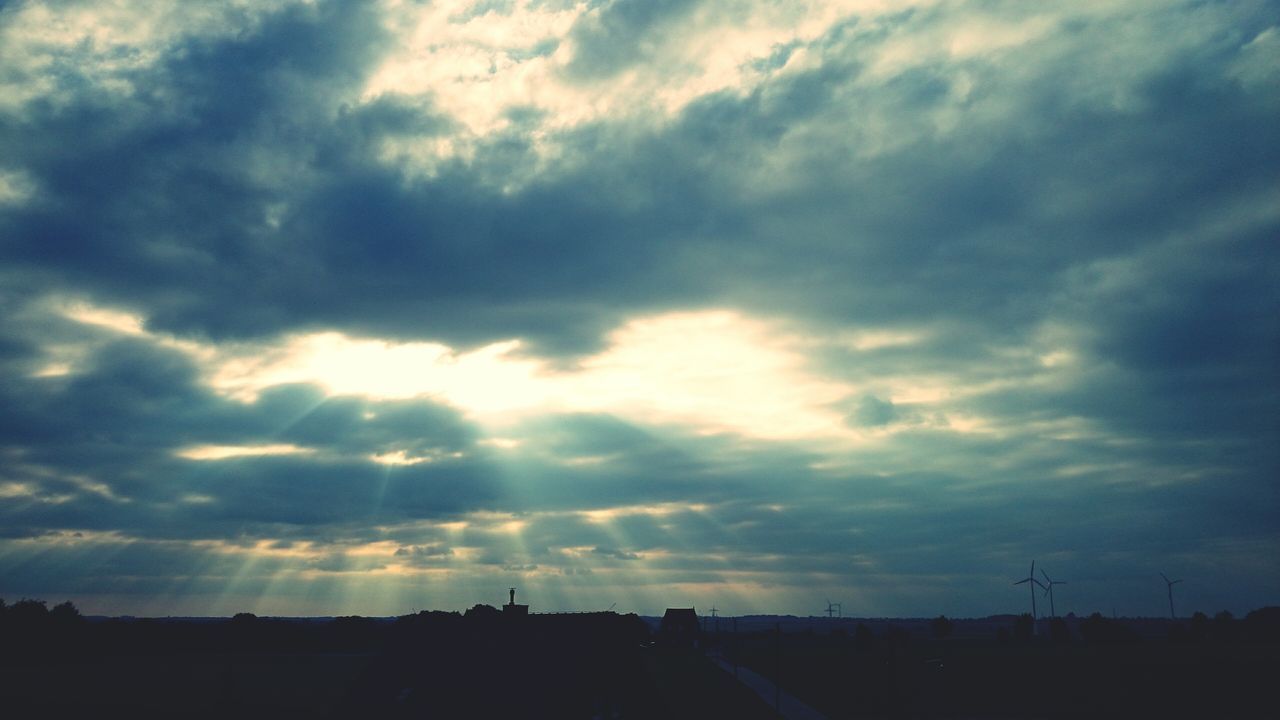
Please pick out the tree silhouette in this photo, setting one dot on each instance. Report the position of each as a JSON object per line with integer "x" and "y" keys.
{"x": 1199, "y": 625}
{"x": 1224, "y": 625}
{"x": 1023, "y": 626}
{"x": 65, "y": 615}
{"x": 1059, "y": 632}
{"x": 1263, "y": 624}
{"x": 28, "y": 613}
{"x": 482, "y": 612}
{"x": 941, "y": 627}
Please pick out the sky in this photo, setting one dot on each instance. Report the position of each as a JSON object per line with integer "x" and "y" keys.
{"x": 328, "y": 308}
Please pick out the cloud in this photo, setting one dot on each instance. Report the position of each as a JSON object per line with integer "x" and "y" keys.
{"x": 618, "y": 34}
{"x": 873, "y": 412}
{"x": 616, "y": 554}
{"x": 745, "y": 300}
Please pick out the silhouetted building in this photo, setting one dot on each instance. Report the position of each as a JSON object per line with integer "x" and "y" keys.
{"x": 512, "y": 609}
{"x": 679, "y": 628}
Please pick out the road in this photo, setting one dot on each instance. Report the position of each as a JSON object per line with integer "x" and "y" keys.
{"x": 788, "y": 705}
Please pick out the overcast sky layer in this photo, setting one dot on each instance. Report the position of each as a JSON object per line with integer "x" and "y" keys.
{"x": 362, "y": 308}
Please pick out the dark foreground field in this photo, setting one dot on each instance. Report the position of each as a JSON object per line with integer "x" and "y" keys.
{"x": 604, "y": 665}
{"x": 428, "y": 665}
{"x": 1219, "y": 672}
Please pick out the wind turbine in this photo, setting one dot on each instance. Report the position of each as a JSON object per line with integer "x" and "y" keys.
{"x": 1169, "y": 586}
{"x": 1048, "y": 590}
{"x": 834, "y": 610}
{"x": 1031, "y": 578}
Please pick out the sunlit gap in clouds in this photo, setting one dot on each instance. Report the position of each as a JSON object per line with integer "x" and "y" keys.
{"x": 224, "y": 452}
{"x": 707, "y": 371}
{"x": 697, "y": 373}
{"x": 716, "y": 371}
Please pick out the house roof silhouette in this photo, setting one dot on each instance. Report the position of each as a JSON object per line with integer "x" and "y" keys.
{"x": 679, "y": 628}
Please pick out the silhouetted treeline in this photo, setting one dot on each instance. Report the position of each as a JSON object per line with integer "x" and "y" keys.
{"x": 31, "y": 626}
{"x": 27, "y": 625}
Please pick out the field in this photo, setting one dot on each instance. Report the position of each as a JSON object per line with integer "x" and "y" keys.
{"x": 180, "y": 684}
{"x": 1035, "y": 679}
{"x": 430, "y": 665}
{"x": 604, "y": 665}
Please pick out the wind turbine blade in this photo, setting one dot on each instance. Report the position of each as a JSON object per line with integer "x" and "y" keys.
{"x": 1023, "y": 581}
{"x": 1037, "y": 582}
{"x": 1033, "y": 569}
{"x": 1045, "y": 574}
{"x": 1166, "y": 577}
{"x": 1175, "y": 582}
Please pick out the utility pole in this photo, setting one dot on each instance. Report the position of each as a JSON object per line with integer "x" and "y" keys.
{"x": 735, "y": 648}
{"x": 777, "y": 668}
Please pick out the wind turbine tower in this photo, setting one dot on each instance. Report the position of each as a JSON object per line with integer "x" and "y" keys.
{"x": 1048, "y": 590}
{"x": 1169, "y": 586}
{"x": 1031, "y": 578}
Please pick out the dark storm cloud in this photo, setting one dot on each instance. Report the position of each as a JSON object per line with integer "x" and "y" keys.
{"x": 165, "y": 200}
{"x": 957, "y": 228}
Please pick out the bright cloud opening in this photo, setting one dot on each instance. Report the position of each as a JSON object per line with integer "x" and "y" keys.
{"x": 716, "y": 370}
{"x": 224, "y": 452}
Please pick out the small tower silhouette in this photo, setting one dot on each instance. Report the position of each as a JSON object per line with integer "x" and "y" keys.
{"x": 511, "y": 608}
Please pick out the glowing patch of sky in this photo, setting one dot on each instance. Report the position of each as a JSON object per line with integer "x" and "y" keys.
{"x": 712, "y": 371}
{"x": 716, "y": 370}
{"x": 223, "y": 452}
